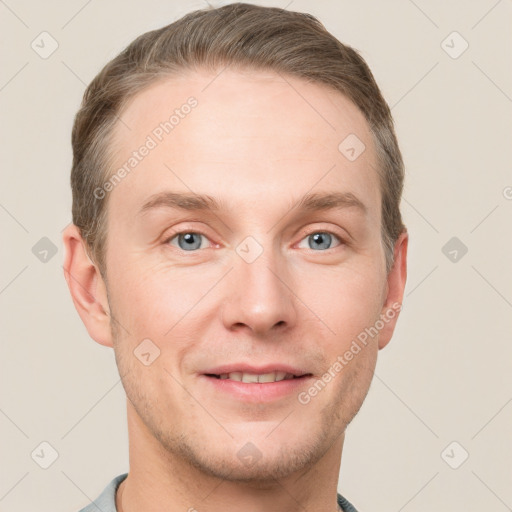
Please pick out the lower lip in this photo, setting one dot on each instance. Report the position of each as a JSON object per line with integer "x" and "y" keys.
{"x": 258, "y": 392}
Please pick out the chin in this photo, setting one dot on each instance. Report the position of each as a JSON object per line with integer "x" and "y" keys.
{"x": 253, "y": 456}
{"x": 266, "y": 468}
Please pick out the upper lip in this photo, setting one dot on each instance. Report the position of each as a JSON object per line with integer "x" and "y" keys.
{"x": 248, "y": 368}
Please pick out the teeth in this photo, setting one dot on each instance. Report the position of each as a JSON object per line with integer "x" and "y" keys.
{"x": 271, "y": 377}
{"x": 251, "y": 377}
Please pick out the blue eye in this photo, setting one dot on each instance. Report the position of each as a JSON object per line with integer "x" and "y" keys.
{"x": 188, "y": 241}
{"x": 320, "y": 240}
{"x": 191, "y": 240}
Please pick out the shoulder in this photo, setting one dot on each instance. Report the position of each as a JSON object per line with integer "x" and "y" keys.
{"x": 345, "y": 505}
{"x": 106, "y": 501}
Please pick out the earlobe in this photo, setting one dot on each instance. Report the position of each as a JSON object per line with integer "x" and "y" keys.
{"x": 86, "y": 286}
{"x": 395, "y": 286}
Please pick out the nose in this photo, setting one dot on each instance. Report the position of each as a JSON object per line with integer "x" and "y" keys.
{"x": 259, "y": 295}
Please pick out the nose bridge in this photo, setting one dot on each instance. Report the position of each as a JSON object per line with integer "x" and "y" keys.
{"x": 260, "y": 299}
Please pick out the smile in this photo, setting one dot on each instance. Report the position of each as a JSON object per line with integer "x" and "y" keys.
{"x": 256, "y": 378}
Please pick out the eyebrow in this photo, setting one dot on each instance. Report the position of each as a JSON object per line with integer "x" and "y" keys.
{"x": 202, "y": 202}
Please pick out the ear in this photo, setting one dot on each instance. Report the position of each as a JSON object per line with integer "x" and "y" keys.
{"x": 87, "y": 287}
{"x": 395, "y": 290}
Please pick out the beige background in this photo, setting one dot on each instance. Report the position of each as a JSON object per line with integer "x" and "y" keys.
{"x": 446, "y": 376}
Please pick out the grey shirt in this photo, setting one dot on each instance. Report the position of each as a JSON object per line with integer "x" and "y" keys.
{"x": 106, "y": 501}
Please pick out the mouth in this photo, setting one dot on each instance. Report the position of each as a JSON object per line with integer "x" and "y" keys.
{"x": 255, "y": 385}
{"x": 257, "y": 378}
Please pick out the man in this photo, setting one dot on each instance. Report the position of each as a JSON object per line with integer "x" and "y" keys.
{"x": 237, "y": 240}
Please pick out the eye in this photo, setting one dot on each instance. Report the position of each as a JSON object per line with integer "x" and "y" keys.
{"x": 192, "y": 240}
{"x": 321, "y": 240}
{"x": 187, "y": 240}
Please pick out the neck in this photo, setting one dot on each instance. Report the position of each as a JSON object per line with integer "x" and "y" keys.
{"x": 160, "y": 480}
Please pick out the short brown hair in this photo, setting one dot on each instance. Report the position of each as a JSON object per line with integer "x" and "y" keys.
{"x": 240, "y": 35}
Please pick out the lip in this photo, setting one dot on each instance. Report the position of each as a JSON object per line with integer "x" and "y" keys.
{"x": 256, "y": 392}
{"x": 248, "y": 368}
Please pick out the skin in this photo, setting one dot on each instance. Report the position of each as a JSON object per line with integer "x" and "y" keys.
{"x": 257, "y": 142}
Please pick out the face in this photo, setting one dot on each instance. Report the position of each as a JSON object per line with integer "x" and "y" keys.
{"x": 261, "y": 276}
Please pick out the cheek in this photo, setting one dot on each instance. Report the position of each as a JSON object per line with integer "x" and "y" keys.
{"x": 163, "y": 305}
{"x": 343, "y": 301}
{"x": 152, "y": 301}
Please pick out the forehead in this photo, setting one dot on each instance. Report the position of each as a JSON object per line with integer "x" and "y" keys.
{"x": 249, "y": 136}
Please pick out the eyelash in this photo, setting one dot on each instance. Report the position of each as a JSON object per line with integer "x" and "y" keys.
{"x": 305, "y": 235}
